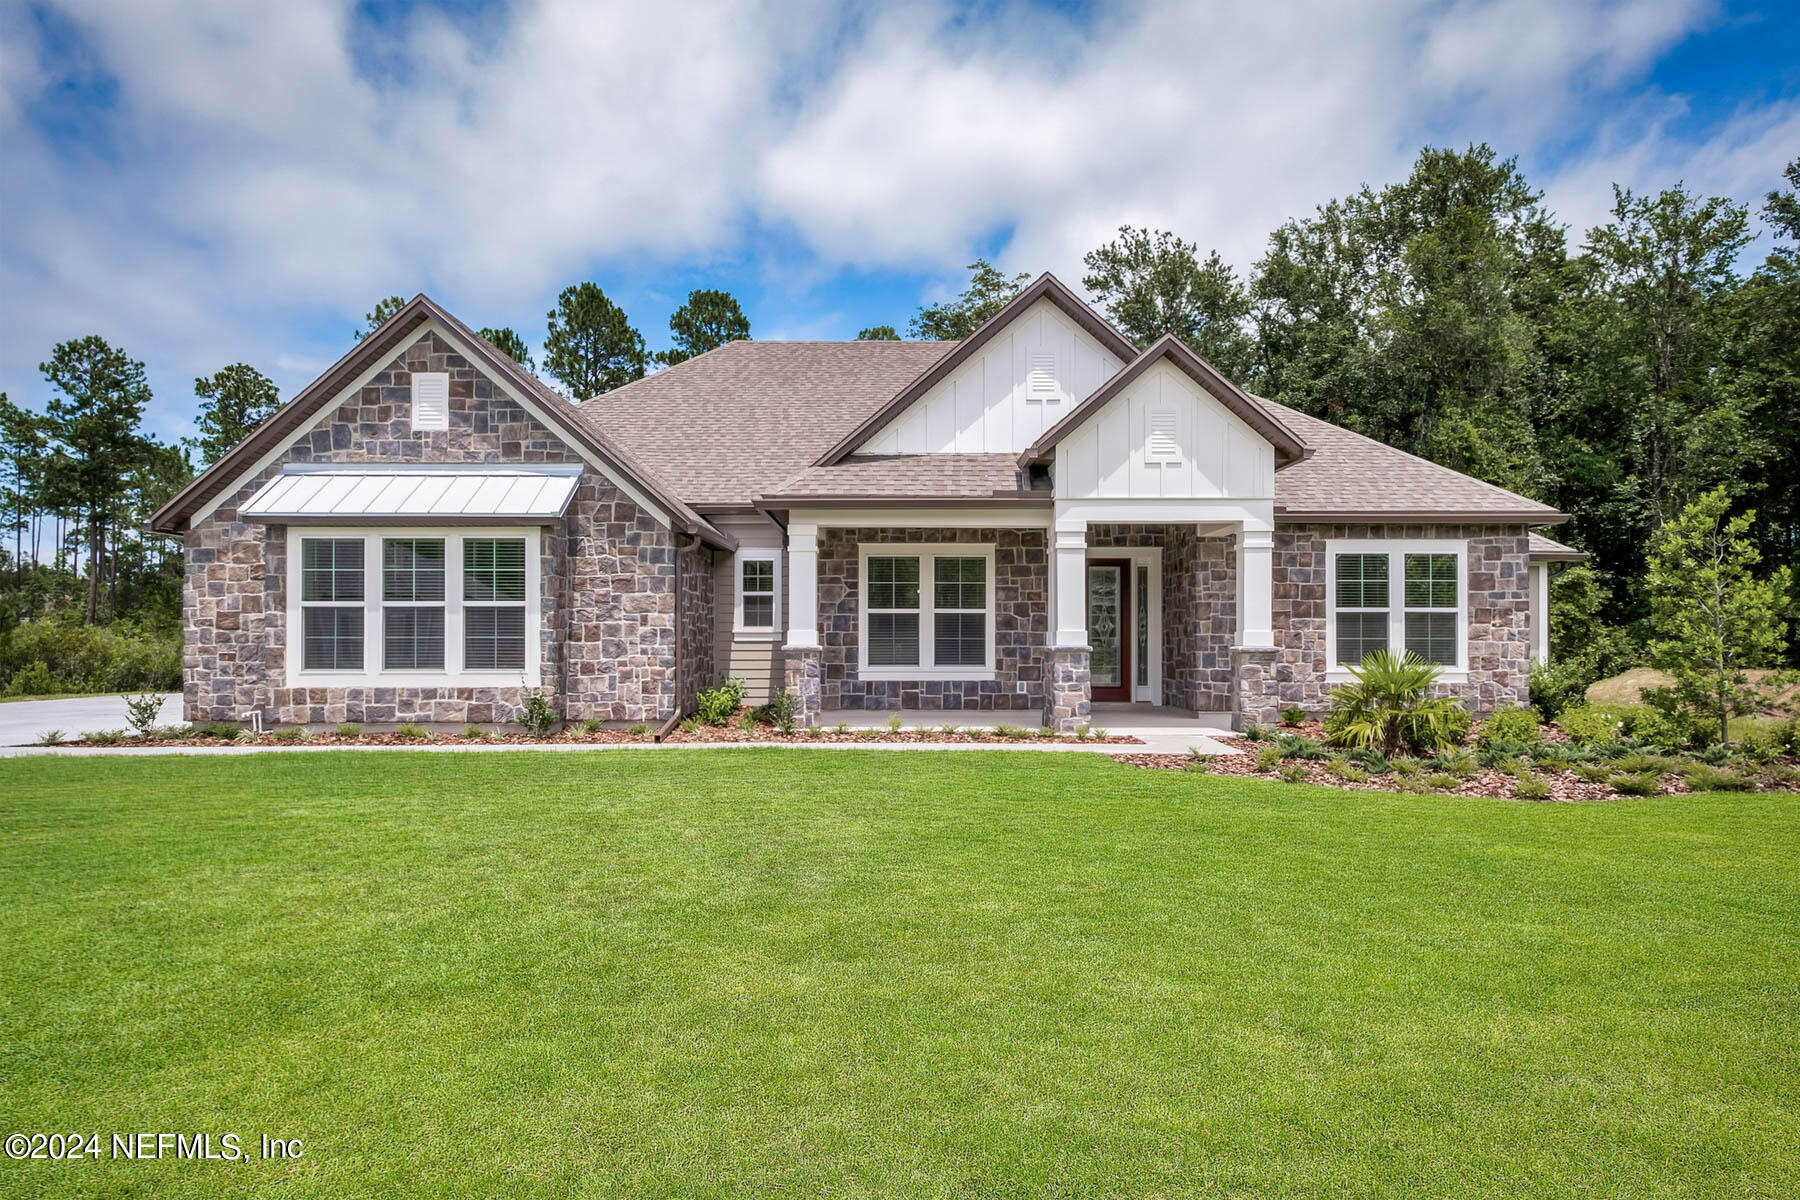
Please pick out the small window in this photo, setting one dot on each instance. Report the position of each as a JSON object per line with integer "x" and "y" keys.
{"x": 893, "y": 609}
{"x": 1431, "y": 607}
{"x": 1164, "y": 444}
{"x": 1362, "y": 606}
{"x": 1041, "y": 382}
{"x": 757, "y": 580}
{"x": 412, "y": 595}
{"x": 959, "y": 600}
{"x": 494, "y": 604}
{"x": 331, "y": 600}
{"x": 430, "y": 400}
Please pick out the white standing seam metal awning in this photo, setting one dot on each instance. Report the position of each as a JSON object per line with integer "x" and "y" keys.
{"x": 384, "y": 493}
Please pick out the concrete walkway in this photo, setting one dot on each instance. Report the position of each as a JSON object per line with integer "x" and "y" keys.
{"x": 23, "y": 722}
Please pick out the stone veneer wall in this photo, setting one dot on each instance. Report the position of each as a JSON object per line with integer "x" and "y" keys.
{"x": 1496, "y": 590}
{"x": 1199, "y": 617}
{"x": 698, "y": 668}
{"x": 604, "y": 570}
{"x": 1021, "y": 623}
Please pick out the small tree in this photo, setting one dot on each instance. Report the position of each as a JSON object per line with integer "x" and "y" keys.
{"x": 510, "y": 344}
{"x": 708, "y": 320}
{"x": 1710, "y": 616}
{"x": 1153, "y": 283}
{"x": 591, "y": 347}
{"x": 233, "y": 401}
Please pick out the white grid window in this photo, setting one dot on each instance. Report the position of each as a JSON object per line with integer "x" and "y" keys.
{"x": 379, "y": 607}
{"x": 1397, "y": 595}
{"x": 759, "y": 593}
{"x": 926, "y": 612}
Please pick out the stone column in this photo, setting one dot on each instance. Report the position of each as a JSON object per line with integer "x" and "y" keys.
{"x": 801, "y": 675}
{"x": 1257, "y": 694}
{"x": 1068, "y": 696}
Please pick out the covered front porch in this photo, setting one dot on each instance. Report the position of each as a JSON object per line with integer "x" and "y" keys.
{"x": 1104, "y": 614}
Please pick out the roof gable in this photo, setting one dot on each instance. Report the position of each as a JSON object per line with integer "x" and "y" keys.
{"x": 1045, "y": 287}
{"x": 1288, "y": 447}
{"x": 419, "y": 316}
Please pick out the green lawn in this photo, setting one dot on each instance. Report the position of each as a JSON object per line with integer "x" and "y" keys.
{"x": 719, "y": 973}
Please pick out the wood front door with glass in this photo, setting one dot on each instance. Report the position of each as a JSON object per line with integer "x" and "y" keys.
{"x": 1108, "y": 619}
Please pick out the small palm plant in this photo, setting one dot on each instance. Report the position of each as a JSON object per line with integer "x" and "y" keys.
{"x": 1390, "y": 707}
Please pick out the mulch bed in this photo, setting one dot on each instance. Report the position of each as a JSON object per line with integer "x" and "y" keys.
{"x": 723, "y": 735}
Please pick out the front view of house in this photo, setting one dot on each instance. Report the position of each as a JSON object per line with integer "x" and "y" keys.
{"x": 1038, "y": 519}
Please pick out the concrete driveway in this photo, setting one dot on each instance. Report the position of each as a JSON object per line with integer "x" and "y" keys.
{"x": 23, "y": 722}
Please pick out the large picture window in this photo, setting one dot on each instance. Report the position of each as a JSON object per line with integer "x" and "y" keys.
{"x": 392, "y": 590}
{"x": 1397, "y": 595}
{"x": 927, "y": 612}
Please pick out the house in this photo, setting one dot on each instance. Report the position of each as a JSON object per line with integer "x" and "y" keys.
{"x": 1037, "y": 519}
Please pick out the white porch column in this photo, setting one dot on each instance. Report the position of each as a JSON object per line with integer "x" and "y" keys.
{"x": 803, "y": 587}
{"x": 1068, "y": 585}
{"x": 1256, "y": 588}
{"x": 1539, "y": 575}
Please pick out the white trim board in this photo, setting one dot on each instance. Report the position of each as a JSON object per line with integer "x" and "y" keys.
{"x": 425, "y": 329}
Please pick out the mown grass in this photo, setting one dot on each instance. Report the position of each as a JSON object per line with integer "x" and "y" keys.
{"x": 720, "y": 973}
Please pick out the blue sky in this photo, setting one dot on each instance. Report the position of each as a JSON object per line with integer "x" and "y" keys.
{"x": 207, "y": 182}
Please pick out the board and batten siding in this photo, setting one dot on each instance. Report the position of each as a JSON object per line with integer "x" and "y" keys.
{"x": 754, "y": 658}
{"x": 1164, "y": 436}
{"x": 1023, "y": 381}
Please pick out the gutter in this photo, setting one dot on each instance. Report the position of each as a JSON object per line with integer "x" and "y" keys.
{"x": 675, "y": 717}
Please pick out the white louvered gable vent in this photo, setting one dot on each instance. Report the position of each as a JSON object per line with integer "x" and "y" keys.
{"x": 430, "y": 400}
{"x": 1164, "y": 445}
{"x": 1041, "y": 382}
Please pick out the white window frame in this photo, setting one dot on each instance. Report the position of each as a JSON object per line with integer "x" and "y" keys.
{"x": 926, "y": 553}
{"x": 1397, "y": 549}
{"x": 755, "y": 632}
{"x": 374, "y": 642}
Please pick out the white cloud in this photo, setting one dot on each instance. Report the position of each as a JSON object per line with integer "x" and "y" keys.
{"x": 262, "y": 168}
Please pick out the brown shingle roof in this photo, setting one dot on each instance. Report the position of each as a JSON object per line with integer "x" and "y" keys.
{"x": 1542, "y": 549}
{"x": 1350, "y": 477}
{"x": 908, "y": 476}
{"x": 746, "y": 419}
{"x": 743, "y": 419}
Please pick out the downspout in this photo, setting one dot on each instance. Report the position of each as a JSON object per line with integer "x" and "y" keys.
{"x": 675, "y": 717}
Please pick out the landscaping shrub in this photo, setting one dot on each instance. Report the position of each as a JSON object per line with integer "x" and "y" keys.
{"x": 1702, "y": 778}
{"x": 1439, "y": 781}
{"x": 57, "y": 655}
{"x": 1636, "y": 785}
{"x": 1763, "y": 744}
{"x": 104, "y": 737}
{"x": 1268, "y": 758}
{"x": 1294, "y": 746}
{"x": 641, "y": 729}
{"x": 1372, "y": 761}
{"x": 1514, "y": 725}
{"x": 1589, "y": 726}
{"x": 1532, "y": 789}
{"x": 349, "y": 729}
{"x": 1715, "y": 755}
{"x": 1457, "y": 762}
{"x": 1557, "y": 686}
{"x": 1457, "y": 723}
{"x": 143, "y": 711}
{"x": 1594, "y": 772}
{"x": 537, "y": 716}
{"x": 783, "y": 710}
{"x": 412, "y": 732}
{"x": 717, "y": 706}
{"x": 1642, "y": 764}
{"x": 1252, "y": 732}
{"x": 1389, "y": 706}
{"x": 1295, "y": 773}
{"x": 1293, "y": 716}
{"x": 1670, "y": 730}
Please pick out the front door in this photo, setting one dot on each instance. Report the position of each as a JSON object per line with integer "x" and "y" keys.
{"x": 1109, "y": 662}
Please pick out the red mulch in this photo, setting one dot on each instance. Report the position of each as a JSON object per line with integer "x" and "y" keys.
{"x": 707, "y": 734}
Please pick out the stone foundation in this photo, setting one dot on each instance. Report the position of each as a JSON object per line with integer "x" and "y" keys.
{"x": 1068, "y": 702}
{"x": 801, "y": 676}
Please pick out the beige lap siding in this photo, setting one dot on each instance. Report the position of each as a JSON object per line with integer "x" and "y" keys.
{"x": 755, "y": 658}
{"x": 1495, "y": 589}
{"x": 608, "y": 571}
